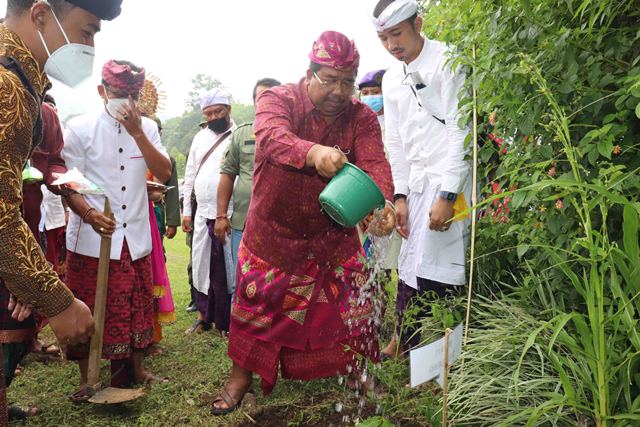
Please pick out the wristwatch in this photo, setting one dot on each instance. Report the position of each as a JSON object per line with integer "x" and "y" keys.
{"x": 448, "y": 196}
{"x": 399, "y": 196}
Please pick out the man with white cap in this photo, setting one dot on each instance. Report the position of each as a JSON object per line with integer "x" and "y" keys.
{"x": 212, "y": 273}
{"x": 427, "y": 156}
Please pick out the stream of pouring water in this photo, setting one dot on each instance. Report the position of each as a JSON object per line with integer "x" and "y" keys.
{"x": 372, "y": 292}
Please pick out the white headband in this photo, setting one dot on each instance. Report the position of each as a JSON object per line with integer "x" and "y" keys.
{"x": 213, "y": 97}
{"x": 394, "y": 14}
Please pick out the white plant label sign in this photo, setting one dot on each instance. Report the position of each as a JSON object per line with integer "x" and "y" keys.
{"x": 427, "y": 362}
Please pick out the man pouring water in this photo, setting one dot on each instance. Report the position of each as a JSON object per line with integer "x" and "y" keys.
{"x": 300, "y": 275}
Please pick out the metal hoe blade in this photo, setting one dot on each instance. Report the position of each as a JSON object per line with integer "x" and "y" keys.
{"x": 112, "y": 395}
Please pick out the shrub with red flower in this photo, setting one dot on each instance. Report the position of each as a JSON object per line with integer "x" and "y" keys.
{"x": 499, "y": 208}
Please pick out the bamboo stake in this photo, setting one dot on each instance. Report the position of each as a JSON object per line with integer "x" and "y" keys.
{"x": 445, "y": 387}
{"x": 95, "y": 349}
{"x": 474, "y": 202}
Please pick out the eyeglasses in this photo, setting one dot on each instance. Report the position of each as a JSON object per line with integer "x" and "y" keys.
{"x": 348, "y": 86}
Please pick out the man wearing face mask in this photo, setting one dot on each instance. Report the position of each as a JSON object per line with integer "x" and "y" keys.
{"x": 113, "y": 149}
{"x": 54, "y": 38}
{"x": 371, "y": 93}
{"x": 212, "y": 262}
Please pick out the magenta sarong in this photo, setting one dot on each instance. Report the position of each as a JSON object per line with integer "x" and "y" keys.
{"x": 164, "y": 308}
{"x": 313, "y": 325}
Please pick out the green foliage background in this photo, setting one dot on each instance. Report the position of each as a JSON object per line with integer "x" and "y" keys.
{"x": 588, "y": 52}
{"x": 563, "y": 79}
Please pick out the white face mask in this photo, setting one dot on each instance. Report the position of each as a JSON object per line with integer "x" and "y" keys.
{"x": 71, "y": 63}
{"x": 113, "y": 106}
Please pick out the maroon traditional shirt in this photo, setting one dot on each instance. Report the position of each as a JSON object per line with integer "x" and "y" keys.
{"x": 285, "y": 225}
{"x": 47, "y": 158}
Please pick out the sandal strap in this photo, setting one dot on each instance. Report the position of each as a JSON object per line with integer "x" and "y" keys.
{"x": 232, "y": 402}
{"x": 80, "y": 396}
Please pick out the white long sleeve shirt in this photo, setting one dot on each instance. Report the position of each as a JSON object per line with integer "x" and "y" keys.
{"x": 206, "y": 183}
{"x": 419, "y": 145}
{"x": 107, "y": 155}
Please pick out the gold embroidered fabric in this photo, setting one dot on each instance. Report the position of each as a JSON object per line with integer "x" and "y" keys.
{"x": 23, "y": 267}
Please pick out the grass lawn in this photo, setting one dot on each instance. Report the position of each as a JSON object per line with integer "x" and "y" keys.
{"x": 196, "y": 365}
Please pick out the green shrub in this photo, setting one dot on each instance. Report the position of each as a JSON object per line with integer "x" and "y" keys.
{"x": 563, "y": 78}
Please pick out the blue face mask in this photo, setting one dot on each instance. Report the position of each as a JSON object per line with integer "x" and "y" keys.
{"x": 373, "y": 101}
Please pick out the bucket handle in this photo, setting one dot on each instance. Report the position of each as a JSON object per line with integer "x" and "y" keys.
{"x": 346, "y": 153}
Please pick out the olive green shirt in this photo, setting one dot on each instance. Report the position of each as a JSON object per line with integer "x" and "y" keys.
{"x": 171, "y": 199}
{"x": 238, "y": 162}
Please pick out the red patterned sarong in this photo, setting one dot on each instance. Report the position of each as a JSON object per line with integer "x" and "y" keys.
{"x": 129, "y": 313}
{"x": 313, "y": 324}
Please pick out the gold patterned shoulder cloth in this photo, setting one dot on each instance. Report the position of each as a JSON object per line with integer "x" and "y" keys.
{"x": 15, "y": 107}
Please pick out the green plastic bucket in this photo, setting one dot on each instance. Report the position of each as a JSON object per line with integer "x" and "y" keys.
{"x": 350, "y": 196}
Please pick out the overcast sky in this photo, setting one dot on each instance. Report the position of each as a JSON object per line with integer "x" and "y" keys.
{"x": 235, "y": 41}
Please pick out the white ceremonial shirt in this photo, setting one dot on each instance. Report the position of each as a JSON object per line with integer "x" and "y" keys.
{"x": 54, "y": 209}
{"x": 108, "y": 156}
{"x": 427, "y": 156}
{"x": 206, "y": 183}
{"x": 419, "y": 145}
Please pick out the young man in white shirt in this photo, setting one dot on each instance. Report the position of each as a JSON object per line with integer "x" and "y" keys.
{"x": 113, "y": 149}
{"x": 212, "y": 262}
{"x": 427, "y": 156}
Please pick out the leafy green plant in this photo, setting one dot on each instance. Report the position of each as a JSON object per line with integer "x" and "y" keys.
{"x": 604, "y": 327}
{"x": 375, "y": 422}
{"x": 563, "y": 77}
{"x": 485, "y": 389}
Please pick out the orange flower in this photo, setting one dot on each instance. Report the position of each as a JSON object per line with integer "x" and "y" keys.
{"x": 559, "y": 204}
{"x": 616, "y": 149}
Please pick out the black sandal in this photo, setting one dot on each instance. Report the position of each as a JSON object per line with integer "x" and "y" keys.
{"x": 16, "y": 413}
{"x": 50, "y": 349}
{"x": 231, "y": 408}
{"x": 82, "y": 396}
